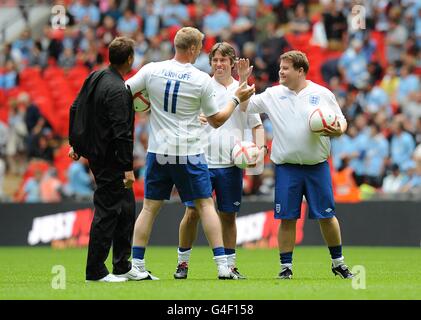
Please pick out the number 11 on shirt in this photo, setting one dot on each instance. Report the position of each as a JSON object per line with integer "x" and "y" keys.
{"x": 174, "y": 95}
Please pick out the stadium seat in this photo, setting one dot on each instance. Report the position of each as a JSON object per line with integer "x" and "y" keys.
{"x": 53, "y": 72}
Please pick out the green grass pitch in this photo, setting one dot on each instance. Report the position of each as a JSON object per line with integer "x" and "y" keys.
{"x": 391, "y": 273}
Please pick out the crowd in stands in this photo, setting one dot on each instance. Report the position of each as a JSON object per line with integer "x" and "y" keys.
{"x": 373, "y": 67}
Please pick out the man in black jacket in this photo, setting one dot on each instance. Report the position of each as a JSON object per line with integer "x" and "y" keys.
{"x": 101, "y": 130}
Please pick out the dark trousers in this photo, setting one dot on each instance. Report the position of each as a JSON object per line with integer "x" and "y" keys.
{"x": 113, "y": 224}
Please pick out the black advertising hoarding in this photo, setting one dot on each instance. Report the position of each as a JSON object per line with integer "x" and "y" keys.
{"x": 67, "y": 224}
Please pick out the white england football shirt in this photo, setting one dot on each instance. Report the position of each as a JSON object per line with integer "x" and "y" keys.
{"x": 219, "y": 142}
{"x": 178, "y": 93}
{"x": 293, "y": 141}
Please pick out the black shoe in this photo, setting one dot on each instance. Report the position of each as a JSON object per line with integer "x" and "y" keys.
{"x": 342, "y": 271}
{"x": 182, "y": 270}
{"x": 237, "y": 273}
{"x": 285, "y": 273}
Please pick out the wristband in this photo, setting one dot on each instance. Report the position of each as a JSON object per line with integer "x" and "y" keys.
{"x": 236, "y": 100}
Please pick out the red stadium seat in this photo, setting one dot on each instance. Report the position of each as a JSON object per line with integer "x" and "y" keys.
{"x": 53, "y": 72}
{"x": 30, "y": 73}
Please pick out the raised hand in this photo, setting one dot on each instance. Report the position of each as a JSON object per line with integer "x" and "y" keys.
{"x": 244, "y": 69}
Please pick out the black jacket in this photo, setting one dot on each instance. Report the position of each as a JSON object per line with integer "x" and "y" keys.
{"x": 102, "y": 121}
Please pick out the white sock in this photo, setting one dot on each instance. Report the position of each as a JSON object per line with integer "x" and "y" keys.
{"x": 221, "y": 263}
{"x": 338, "y": 261}
{"x": 231, "y": 260}
{"x": 286, "y": 265}
{"x": 183, "y": 256}
{"x": 140, "y": 263}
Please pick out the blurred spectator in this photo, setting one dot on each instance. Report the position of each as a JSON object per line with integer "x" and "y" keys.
{"x": 346, "y": 189}
{"x": 157, "y": 51}
{"x": 216, "y": 21}
{"x": 367, "y": 191}
{"x": 299, "y": 22}
{"x": 175, "y": 14}
{"x": 38, "y": 56}
{"x": 409, "y": 84}
{"x": 128, "y": 24}
{"x": 265, "y": 17}
{"x": 34, "y": 121}
{"x": 112, "y": 10}
{"x": 41, "y": 146}
{"x": 395, "y": 40}
{"x": 376, "y": 156}
{"x": 335, "y": 25}
{"x": 376, "y": 99}
{"x": 402, "y": 145}
{"x": 319, "y": 37}
{"x": 412, "y": 109}
{"x": 390, "y": 83}
{"x": 270, "y": 49}
{"x": 50, "y": 187}
{"x": 140, "y": 49}
{"x": 394, "y": 181}
{"x": 353, "y": 65}
{"x": 151, "y": 21}
{"x": 341, "y": 149}
{"x": 9, "y": 78}
{"x": 67, "y": 59}
{"x": 23, "y": 46}
{"x": 336, "y": 88}
{"x": 88, "y": 38}
{"x": 31, "y": 188}
{"x": 79, "y": 184}
{"x": 352, "y": 107}
{"x": 243, "y": 28}
{"x": 250, "y": 52}
{"x": 85, "y": 13}
{"x": 413, "y": 183}
{"x": 359, "y": 147}
{"x": 107, "y": 31}
{"x": 15, "y": 148}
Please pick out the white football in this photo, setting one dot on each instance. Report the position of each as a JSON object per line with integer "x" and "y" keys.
{"x": 320, "y": 118}
{"x": 244, "y": 153}
{"x": 141, "y": 101}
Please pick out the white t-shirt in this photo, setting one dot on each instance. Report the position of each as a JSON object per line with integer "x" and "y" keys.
{"x": 219, "y": 142}
{"x": 293, "y": 141}
{"x": 178, "y": 93}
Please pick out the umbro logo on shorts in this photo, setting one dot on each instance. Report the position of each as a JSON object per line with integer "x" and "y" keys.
{"x": 329, "y": 210}
{"x": 282, "y": 97}
{"x": 237, "y": 203}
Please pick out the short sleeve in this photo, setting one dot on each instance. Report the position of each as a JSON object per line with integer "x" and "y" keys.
{"x": 138, "y": 81}
{"x": 333, "y": 104}
{"x": 257, "y": 103}
{"x": 208, "y": 102}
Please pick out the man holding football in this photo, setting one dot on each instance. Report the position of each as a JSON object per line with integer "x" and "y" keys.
{"x": 301, "y": 157}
